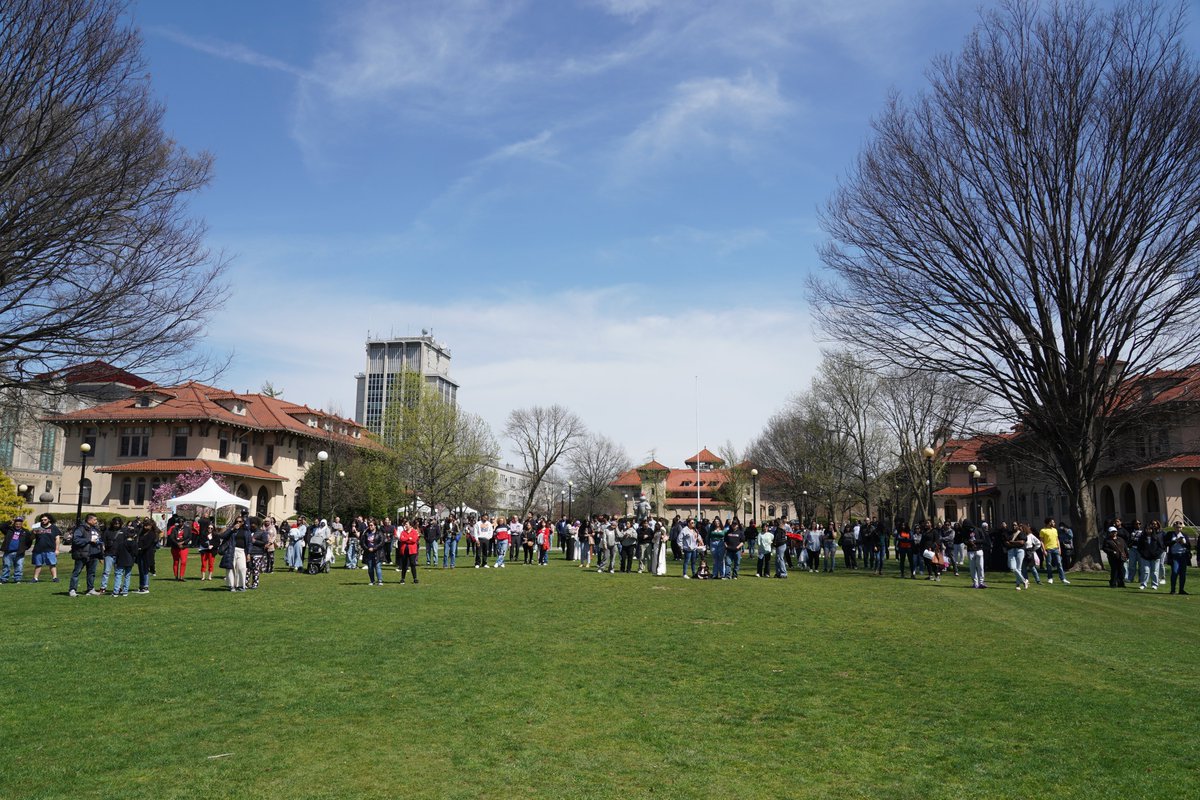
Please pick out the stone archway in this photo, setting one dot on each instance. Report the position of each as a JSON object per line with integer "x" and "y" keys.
{"x": 261, "y": 502}
{"x": 1128, "y": 502}
{"x": 1189, "y": 494}
{"x": 1108, "y": 504}
{"x": 1152, "y": 502}
{"x": 950, "y": 510}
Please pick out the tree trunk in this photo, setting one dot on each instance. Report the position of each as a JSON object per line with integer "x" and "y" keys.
{"x": 1086, "y": 527}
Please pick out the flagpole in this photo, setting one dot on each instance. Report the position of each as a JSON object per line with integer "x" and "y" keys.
{"x": 697, "y": 448}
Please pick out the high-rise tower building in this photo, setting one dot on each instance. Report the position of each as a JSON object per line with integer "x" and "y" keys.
{"x": 388, "y": 362}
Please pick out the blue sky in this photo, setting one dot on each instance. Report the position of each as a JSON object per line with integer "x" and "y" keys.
{"x": 591, "y": 201}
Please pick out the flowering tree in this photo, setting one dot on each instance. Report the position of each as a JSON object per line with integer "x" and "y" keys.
{"x": 184, "y": 482}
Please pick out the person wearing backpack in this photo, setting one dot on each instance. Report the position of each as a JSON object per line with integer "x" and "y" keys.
{"x": 904, "y": 550}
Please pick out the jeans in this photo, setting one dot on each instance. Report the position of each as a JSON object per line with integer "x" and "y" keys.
{"x": 1149, "y": 570}
{"x": 1031, "y": 566}
{"x": 501, "y": 551}
{"x": 689, "y": 558}
{"x": 764, "y": 564}
{"x": 960, "y": 553}
{"x": 543, "y": 555}
{"x": 1133, "y": 567}
{"x": 627, "y": 553}
{"x": 374, "y": 567}
{"x": 145, "y": 565}
{"x": 977, "y": 569}
{"x": 1016, "y": 559}
{"x": 585, "y": 554}
{"x": 121, "y": 580}
{"x": 80, "y": 564}
{"x": 831, "y": 557}
{"x": 352, "y": 554}
{"x": 449, "y": 552}
{"x": 901, "y": 556}
{"x": 814, "y": 560}
{"x": 1179, "y": 565}
{"x": 109, "y": 563}
{"x": 781, "y": 553}
{"x": 431, "y": 553}
{"x": 406, "y": 561}
{"x": 481, "y": 552}
{"x": 718, "y": 554}
{"x": 1054, "y": 562}
{"x": 849, "y": 554}
{"x": 733, "y": 561}
{"x": 610, "y": 558}
{"x": 14, "y": 563}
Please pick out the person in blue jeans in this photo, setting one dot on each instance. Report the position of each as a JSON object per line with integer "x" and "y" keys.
{"x": 450, "y": 545}
{"x": 687, "y": 544}
{"x": 1179, "y": 553}
{"x": 716, "y": 543}
{"x": 16, "y": 541}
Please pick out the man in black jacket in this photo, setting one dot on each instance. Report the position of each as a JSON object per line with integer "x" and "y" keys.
{"x": 1149, "y": 547}
{"x": 87, "y": 548}
{"x": 16, "y": 542}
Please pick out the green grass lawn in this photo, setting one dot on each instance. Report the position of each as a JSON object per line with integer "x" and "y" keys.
{"x": 551, "y": 682}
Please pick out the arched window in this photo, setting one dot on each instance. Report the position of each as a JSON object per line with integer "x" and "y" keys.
{"x": 85, "y": 491}
{"x": 771, "y": 511}
{"x": 126, "y": 490}
{"x": 140, "y": 496}
{"x": 261, "y": 509}
{"x": 783, "y": 511}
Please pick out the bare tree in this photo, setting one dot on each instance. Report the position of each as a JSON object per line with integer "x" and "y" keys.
{"x": 849, "y": 392}
{"x": 919, "y": 410}
{"x": 1031, "y": 225}
{"x": 736, "y": 472}
{"x": 98, "y": 257}
{"x": 594, "y": 464}
{"x": 542, "y": 435}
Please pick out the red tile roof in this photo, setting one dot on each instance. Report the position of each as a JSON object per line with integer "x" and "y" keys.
{"x": 195, "y": 401}
{"x": 174, "y": 466}
{"x": 1181, "y": 461}
{"x": 653, "y": 466}
{"x": 964, "y": 491}
{"x": 627, "y": 478}
{"x": 705, "y": 456}
{"x": 96, "y": 372}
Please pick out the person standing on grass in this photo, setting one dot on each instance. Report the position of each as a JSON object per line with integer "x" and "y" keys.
{"x": 645, "y": 546}
{"x": 371, "y": 542}
{"x": 735, "y": 543}
{"x": 106, "y": 534}
{"x": 1150, "y": 549}
{"x": 433, "y": 533}
{"x": 1179, "y": 553}
{"x": 124, "y": 553}
{"x": 87, "y": 548}
{"x": 715, "y": 540}
{"x": 904, "y": 549}
{"x": 450, "y": 536}
{"x": 16, "y": 541}
{"x": 766, "y": 550}
{"x": 543, "y": 541}
{"x": 237, "y": 538}
{"x": 976, "y": 546}
{"x": 502, "y": 536}
{"x": 1114, "y": 548}
{"x": 1049, "y": 536}
{"x": 627, "y": 536}
{"x": 179, "y": 539}
{"x": 483, "y": 541}
{"x": 1016, "y": 555}
{"x": 147, "y": 543}
{"x": 829, "y": 546}
{"x": 207, "y": 546}
{"x": 812, "y": 546}
{"x": 408, "y": 544}
{"x": 609, "y": 534}
{"x": 1033, "y": 555}
{"x": 46, "y": 539}
{"x": 687, "y": 546}
{"x": 256, "y": 553}
{"x": 587, "y": 542}
{"x": 529, "y": 544}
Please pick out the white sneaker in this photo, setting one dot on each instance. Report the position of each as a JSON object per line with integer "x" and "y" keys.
{"x": 1067, "y": 582}
{"x": 1051, "y": 581}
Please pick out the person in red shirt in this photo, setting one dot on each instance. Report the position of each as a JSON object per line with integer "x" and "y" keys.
{"x": 410, "y": 542}
{"x": 503, "y": 537}
{"x": 179, "y": 536}
{"x": 543, "y": 543}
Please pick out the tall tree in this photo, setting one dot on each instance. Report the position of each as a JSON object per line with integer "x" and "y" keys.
{"x": 98, "y": 256}
{"x": 1031, "y": 224}
{"x": 542, "y": 435}
{"x": 737, "y": 480}
{"x": 593, "y": 465}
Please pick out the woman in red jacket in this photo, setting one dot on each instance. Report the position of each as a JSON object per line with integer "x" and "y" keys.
{"x": 543, "y": 542}
{"x": 410, "y": 542}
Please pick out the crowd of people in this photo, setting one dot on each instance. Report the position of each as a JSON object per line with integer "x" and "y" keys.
{"x": 245, "y": 548}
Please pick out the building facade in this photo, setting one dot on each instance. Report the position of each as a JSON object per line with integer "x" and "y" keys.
{"x": 31, "y": 446}
{"x": 261, "y": 445}
{"x": 389, "y": 363}
{"x": 696, "y": 491}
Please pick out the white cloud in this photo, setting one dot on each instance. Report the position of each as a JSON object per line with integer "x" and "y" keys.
{"x": 231, "y": 51}
{"x": 705, "y": 115}
{"x": 627, "y": 369}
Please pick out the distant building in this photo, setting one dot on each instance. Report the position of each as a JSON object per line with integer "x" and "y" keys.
{"x": 31, "y": 447}
{"x": 262, "y": 446}
{"x": 388, "y": 361}
{"x": 697, "y": 489}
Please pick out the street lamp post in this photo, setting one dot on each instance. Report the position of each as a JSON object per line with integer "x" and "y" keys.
{"x": 322, "y": 457}
{"x": 625, "y": 510}
{"x": 754, "y": 494}
{"x": 928, "y": 453}
{"x": 562, "y": 501}
{"x": 973, "y": 476}
{"x": 84, "y": 449}
{"x": 332, "y": 497}
{"x": 570, "y": 496}
{"x": 804, "y": 512}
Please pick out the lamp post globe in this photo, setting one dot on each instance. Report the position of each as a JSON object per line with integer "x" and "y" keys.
{"x": 754, "y": 493}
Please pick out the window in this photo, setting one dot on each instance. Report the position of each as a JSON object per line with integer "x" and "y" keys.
{"x": 89, "y": 438}
{"x": 223, "y": 445}
{"x": 85, "y": 491}
{"x": 49, "y": 448}
{"x": 771, "y": 511}
{"x": 126, "y": 490}
{"x": 179, "y": 447}
{"x": 270, "y": 454}
{"x": 783, "y": 511}
{"x": 140, "y": 497}
{"x": 8, "y": 437}
{"x": 1037, "y": 508}
{"x": 135, "y": 442}
{"x": 1164, "y": 442}
{"x": 245, "y": 450}
{"x": 300, "y": 457}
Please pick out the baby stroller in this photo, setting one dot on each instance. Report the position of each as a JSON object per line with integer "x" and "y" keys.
{"x": 316, "y": 557}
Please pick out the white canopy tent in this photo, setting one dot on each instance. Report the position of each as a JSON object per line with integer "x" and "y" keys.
{"x": 210, "y": 495}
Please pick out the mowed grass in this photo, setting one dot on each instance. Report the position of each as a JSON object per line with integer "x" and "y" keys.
{"x": 552, "y": 682}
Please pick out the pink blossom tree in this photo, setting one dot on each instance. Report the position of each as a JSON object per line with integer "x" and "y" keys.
{"x": 184, "y": 482}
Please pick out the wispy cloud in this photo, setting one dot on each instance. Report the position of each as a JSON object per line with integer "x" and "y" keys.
{"x": 231, "y": 51}
{"x": 705, "y": 115}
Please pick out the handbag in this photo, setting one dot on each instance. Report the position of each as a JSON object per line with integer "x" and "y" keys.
{"x": 226, "y": 561}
